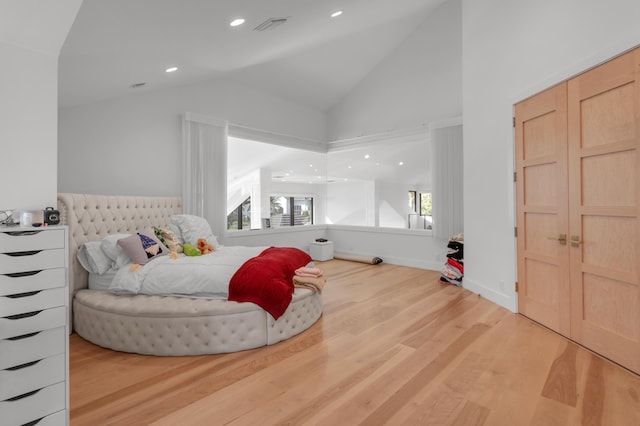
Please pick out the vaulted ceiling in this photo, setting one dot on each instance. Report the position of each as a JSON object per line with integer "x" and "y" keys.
{"x": 312, "y": 58}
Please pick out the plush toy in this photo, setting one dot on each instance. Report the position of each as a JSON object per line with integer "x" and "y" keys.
{"x": 191, "y": 250}
{"x": 204, "y": 246}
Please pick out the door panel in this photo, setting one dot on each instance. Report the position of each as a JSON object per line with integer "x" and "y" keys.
{"x": 618, "y": 187}
{"x": 603, "y": 117}
{"x": 602, "y": 125}
{"x": 540, "y": 184}
{"x": 541, "y": 210}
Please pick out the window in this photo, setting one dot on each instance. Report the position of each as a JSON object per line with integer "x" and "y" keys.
{"x": 412, "y": 201}
{"x": 240, "y": 217}
{"x": 271, "y": 186}
{"x": 420, "y": 210}
{"x": 426, "y": 209}
{"x": 426, "y": 204}
{"x": 282, "y": 208}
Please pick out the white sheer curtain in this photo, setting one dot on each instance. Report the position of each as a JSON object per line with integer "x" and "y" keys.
{"x": 448, "y": 212}
{"x": 204, "y": 169}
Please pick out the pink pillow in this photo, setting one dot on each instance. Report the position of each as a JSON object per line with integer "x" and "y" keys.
{"x": 143, "y": 246}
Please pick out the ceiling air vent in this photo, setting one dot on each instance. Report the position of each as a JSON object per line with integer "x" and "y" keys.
{"x": 270, "y": 24}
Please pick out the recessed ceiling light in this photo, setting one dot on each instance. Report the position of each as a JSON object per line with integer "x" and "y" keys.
{"x": 366, "y": 156}
{"x": 336, "y": 13}
{"x": 401, "y": 163}
{"x": 172, "y": 69}
{"x": 236, "y": 22}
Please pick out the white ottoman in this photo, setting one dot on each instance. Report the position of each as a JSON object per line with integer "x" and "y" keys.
{"x": 321, "y": 250}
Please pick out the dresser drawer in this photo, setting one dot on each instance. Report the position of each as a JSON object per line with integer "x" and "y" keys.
{"x": 22, "y": 282}
{"x": 33, "y": 322}
{"x": 31, "y": 239}
{"x": 30, "y": 376}
{"x": 33, "y": 347}
{"x": 31, "y": 260}
{"x": 29, "y": 407}
{"x": 32, "y": 301}
{"x": 56, "y": 419}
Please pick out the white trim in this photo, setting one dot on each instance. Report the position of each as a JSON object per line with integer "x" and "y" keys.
{"x": 455, "y": 121}
{"x": 400, "y": 136}
{"x": 205, "y": 119}
{"x": 243, "y": 132}
{"x": 244, "y": 233}
{"x": 502, "y": 299}
{"x": 401, "y": 261}
{"x": 415, "y": 232}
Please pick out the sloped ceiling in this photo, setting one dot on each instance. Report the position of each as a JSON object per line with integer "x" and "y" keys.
{"x": 312, "y": 59}
{"x": 37, "y": 25}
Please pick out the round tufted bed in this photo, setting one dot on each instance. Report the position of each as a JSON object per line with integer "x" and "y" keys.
{"x": 163, "y": 325}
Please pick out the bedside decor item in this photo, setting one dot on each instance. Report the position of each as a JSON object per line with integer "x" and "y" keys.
{"x": 51, "y": 216}
{"x": 6, "y": 218}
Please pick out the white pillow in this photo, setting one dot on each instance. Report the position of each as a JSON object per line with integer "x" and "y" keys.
{"x": 93, "y": 258}
{"x": 110, "y": 247}
{"x": 193, "y": 227}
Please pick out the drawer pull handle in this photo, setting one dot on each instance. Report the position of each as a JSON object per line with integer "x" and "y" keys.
{"x": 22, "y": 274}
{"x": 21, "y": 366}
{"x": 24, "y": 395}
{"x": 24, "y": 336}
{"x": 33, "y": 422}
{"x": 26, "y": 294}
{"x": 22, "y": 233}
{"x": 25, "y": 315}
{"x": 23, "y": 253}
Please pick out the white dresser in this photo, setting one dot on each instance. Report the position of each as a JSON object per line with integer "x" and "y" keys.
{"x": 34, "y": 335}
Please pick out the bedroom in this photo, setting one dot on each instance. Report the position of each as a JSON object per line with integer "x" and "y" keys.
{"x": 506, "y": 58}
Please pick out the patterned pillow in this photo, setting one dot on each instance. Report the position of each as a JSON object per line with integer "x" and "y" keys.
{"x": 193, "y": 227}
{"x": 169, "y": 238}
{"x": 143, "y": 246}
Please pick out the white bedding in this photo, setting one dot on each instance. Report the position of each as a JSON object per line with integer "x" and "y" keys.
{"x": 101, "y": 281}
{"x": 198, "y": 276}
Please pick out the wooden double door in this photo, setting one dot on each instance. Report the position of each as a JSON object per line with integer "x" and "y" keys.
{"x": 578, "y": 208}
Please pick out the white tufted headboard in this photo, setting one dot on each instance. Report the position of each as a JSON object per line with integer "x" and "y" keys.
{"x": 92, "y": 217}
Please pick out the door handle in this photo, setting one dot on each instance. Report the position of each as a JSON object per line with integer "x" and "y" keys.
{"x": 561, "y": 238}
{"x": 575, "y": 241}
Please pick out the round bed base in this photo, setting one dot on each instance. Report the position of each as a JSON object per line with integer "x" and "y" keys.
{"x": 178, "y": 326}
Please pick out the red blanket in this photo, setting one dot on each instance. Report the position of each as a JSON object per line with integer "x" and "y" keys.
{"x": 267, "y": 279}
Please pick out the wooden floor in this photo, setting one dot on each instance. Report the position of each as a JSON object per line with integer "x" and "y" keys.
{"x": 394, "y": 346}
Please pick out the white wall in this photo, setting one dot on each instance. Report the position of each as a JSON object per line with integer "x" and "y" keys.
{"x": 30, "y": 41}
{"x": 131, "y": 145}
{"x": 417, "y": 84}
{"x": 351, "y": 203}
{"x": 299, "y": 236}
{"x": 392, "y": 204}
{"x": 28, "y": 111}
{"x": 415, "y": 248}
{"x": 513, "y": 49}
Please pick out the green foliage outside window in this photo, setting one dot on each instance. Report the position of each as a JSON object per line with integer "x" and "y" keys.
{"x": 426, "y": 204}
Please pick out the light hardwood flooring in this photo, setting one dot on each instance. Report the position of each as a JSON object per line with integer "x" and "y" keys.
{"x": 394, "y": 346}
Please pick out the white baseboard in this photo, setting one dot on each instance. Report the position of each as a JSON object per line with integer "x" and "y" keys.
{"x": 492, "y": 295}
{"x": 412, "y": 263}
